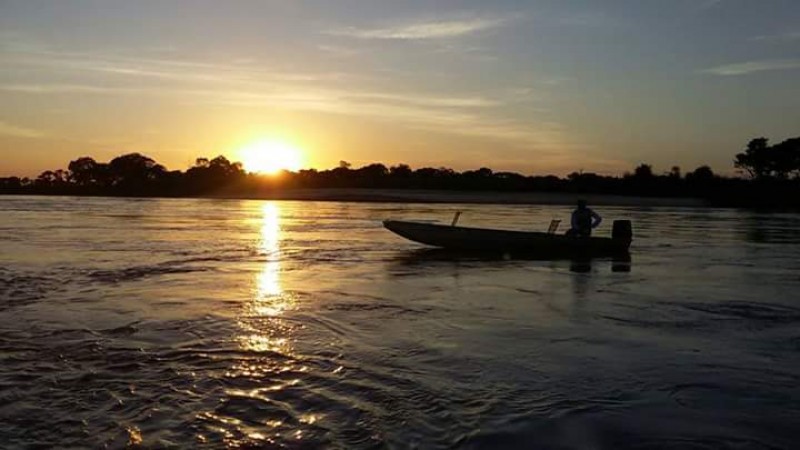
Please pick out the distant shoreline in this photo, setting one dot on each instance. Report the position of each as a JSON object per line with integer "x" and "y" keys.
{"x": 470, "y": 197}
{"x": 136, "y": 175}
{"x": 438, "y": 196}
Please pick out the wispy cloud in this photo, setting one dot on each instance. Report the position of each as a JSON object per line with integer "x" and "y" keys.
{"x": 422, "y": 30}
{"x": 338, "y": 51}
{"x": 428, "y": 100}
{"x": 166, "y": 69}
{"x": 708, "y": 4}
{"x": 7, "y": 129}
{"x": 781, "y": 37}
{"x": 47, "y": 88}
{"x": 198, "y": 82}
{"x": 754, "y": 66}
{"x": 466, "y": 116}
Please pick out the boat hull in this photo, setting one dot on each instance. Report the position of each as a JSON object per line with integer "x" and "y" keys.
{"x": 506, "y": 241}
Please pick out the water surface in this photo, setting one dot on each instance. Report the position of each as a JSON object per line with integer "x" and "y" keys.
{"x": 250, "y": 324}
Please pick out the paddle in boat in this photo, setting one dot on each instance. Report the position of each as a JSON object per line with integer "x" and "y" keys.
{"x": 546, "y": 244}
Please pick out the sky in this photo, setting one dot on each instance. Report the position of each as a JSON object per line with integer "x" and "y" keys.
{"x": 536, "y": 87}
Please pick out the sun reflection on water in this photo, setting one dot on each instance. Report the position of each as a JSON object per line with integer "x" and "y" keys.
{"x": 265, "y": 331}
{"x": 269, "y": 282}
{"x": 266, "y": 334}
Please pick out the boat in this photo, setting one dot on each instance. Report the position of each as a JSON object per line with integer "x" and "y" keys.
{"x": 545, "y": 244}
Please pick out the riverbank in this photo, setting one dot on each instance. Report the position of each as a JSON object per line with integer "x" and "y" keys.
{"x": 438, "y": 196}
{"x": 476, "y": 197}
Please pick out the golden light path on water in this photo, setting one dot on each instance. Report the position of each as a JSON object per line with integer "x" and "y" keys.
{"x": 269, "y": 302}
{"x": 269, "y": 280}
{"x": 266, "y": 332}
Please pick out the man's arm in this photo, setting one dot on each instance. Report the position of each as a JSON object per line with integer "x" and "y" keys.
{"x": 596, "y": 219}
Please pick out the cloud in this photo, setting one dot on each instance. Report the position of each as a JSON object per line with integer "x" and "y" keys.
{"x": 783, "y": 37}
{"x": 708, "y": 4}
{"x": 337, "y": 51}
{"x": 166, "y": 69}
{"x": 754, "y": 66}
{"x": 422, "y": 30}
{"x": 7, "y": 129}
{"x": 44, "y": 88}
{"x": 465, "y": 116}
{"x": 197, "y": 82}
{"x": 430, "y": 101}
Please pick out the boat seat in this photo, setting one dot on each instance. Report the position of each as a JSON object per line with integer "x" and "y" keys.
{"x": 553, "y": 226}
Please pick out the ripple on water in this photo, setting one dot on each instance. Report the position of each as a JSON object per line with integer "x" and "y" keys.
{"x": 20, "y": 288}
{"x": 138, "y": 273}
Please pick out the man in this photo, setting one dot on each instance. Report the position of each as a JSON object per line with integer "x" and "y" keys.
{"x": 583, "y": 220}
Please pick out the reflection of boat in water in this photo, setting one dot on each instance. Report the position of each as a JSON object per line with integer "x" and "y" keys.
{"x": 431, "y": 257}
{"x": 538, "y": 244}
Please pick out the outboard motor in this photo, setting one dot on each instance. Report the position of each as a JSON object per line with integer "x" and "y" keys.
{"x": 622, "y": 229}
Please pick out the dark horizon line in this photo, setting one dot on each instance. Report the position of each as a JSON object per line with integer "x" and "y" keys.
{"x": 343, "y": 164}
{"x": 774, "y": 179}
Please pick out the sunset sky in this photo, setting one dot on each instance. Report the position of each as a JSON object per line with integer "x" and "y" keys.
{"x": 548, "y": 86}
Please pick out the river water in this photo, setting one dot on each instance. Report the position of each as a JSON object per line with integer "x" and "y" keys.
{"x": 253, "y": 324}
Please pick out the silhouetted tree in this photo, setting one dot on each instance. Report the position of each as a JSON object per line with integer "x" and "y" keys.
{"x": 134, "y": 170}
{"x": 702, "y": 173}
{"x": 400, "y": 171}
{"x": 223, "y": 168}
{"x": 12, "y": 184}
{"x": 786, "y": 158}
{"x": 760, "y": 160}
{"x": 340, "y": 176}
{"x": 374, "y": 170}
{"x": 85, "y": 171}
{"x": 136, "y": 174}
{"x": 700, "y": 181}
{"x": 207, "y": 176}
{"x": 48, "y": 177}
{"x": 643, "y": 171}
{"x": 372, "y": 175}
{"x": 755, "y": 160}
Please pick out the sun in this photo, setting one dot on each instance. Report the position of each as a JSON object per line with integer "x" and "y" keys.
{"x": 270, "y": 156}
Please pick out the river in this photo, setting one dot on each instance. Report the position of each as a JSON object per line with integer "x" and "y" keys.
{"x": 160, "y": 323}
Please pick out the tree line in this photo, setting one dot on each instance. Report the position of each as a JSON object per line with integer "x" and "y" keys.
{"x": 772, "y": 179}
